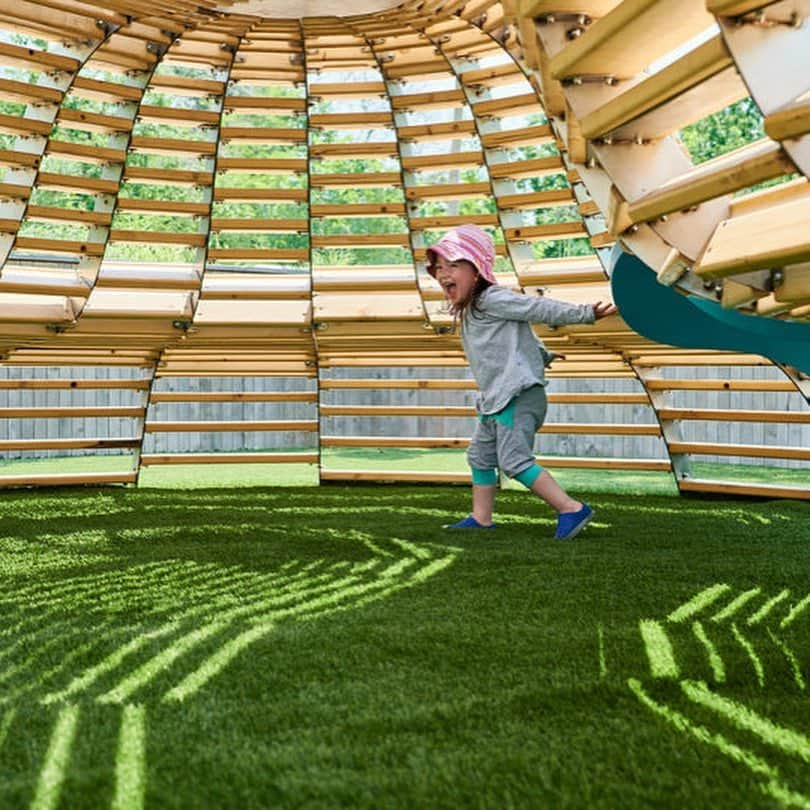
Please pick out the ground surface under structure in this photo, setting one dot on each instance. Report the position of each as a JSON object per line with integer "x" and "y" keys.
{"x": 335, "y": 647}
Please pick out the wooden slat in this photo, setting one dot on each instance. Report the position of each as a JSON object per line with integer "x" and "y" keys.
{"x": 770, "y": 238}
{"x": 737, "y": 488}
{"x": 233, "y": 396}
{"x": 519, "y": 169}
{"x": 792, "y": 121}
{"x": 173, "y": 146}
{"x": 93, "y": 122}
{"x": 592, "y": 463}
{"x": 68, "y": 479}
{"x": 444, "y": 385}
{"x": 330, "y": 121}
{"x": 68, "y": 444}
{"x": 754, "y": 451}
{"x": 732, "y": 415}
{"x": 164, "y": 177}
{"x": 396, "y": 410}
{"x": 395, "y": 476}
{"x": 29, "y": 93}
{"x": 105, "y": 91}
{"x": 34, "y": 384}
{"x": 354, "y": 179}
{"x": 719, "y": 385}
{"x": 507, "y": 73}
{"x": 158, "y": 238}
{"x": 350, "y": 241}
{"x": 522, "y": 104}
{"x": 358, "y": 210}
{"x": 14, "y": 125}
{"x": 744, "y": 167}
{"x": 506, "y": 138}
{"x": 619, "y": 44}
{"x": 73, "y": 412}
{"x": 50, "y": 213}
{"x": 353, "y": 151}
{"x": 59, "y": 246}
{"x": 601, "y": 429}
{"x": 155, "y": 459}
{"x": 20, "y": 56}
{"x": 536, "y": 199}
{"x": 542, "y": 233}
{"x": 687, "y": 71}
{"x": 393, "y": 441}
{"x": 309, "y": 425}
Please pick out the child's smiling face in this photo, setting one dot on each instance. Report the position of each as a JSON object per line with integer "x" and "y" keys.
{"x": 457, "y": 279}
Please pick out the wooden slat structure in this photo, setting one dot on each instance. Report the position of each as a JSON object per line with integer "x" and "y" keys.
{"x": 216, "y": 225}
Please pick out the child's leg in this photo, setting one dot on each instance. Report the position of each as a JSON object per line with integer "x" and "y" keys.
{"x": 482, "y": 458}
{"x": 483, "y": 502}
{"x": 516, "y": 452}
{"x": 547, "y": 488}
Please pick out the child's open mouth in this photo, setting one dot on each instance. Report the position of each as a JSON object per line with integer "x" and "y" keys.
{"x": 450, "y": 289}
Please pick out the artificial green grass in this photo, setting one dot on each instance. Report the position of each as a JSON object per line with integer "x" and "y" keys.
{"x": 393, "y": 664}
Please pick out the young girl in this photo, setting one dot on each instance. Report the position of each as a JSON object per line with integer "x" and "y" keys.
{"x": 507, "y": 360}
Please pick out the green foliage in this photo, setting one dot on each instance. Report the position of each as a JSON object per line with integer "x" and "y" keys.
{"x": 729, "y": 129}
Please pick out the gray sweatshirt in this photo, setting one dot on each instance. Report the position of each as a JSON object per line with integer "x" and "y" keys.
{"x": 504, "y": 354}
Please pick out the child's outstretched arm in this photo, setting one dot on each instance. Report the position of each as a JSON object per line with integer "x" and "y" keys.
{"x": 504, "y": 303}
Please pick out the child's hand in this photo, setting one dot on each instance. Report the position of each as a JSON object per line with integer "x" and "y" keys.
{"x": 602, "y": 310}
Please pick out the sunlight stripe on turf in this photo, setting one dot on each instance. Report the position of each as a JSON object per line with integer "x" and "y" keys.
{"x": 785, "y": 739}
{"x": 130, "y": 760}
{"x": 117, "y": 657}
{"x": 698, "y": 602}
{"x": 794, "y": 612}
{"x": 773, "y": 787}
{"x": 659, "y": 650}
{"x": 791, "y": 659}
{"x": 37, "y": 589}
{"x": 757, "y": 617}
{"x": 5, "y": 724}
{"x": 736, "y": 604}
{"x": 42, "y": 649}
{"x": 715, "y": 661}
{"x": 600, "y": 635}
{"x": 65, "y": 661}
{"x": 77, "y": 587}
{"x": 313, "y": 608}
{"x": 52, "y": 775}
{"x": 143, "y": 674}
{"x": 111, "y": 662}
{"x": 215, "y": 663}
{"x": 164, "y": 659}
{"x": 751, "y": 653}
{"x": 417, "y": 578}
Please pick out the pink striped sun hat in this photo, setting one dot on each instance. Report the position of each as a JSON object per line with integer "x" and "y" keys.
{"x": 467, "y": 242}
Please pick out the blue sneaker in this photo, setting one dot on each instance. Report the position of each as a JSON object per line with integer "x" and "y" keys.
{"x": 469, "y": 522}
{"x": 570, "y": 524}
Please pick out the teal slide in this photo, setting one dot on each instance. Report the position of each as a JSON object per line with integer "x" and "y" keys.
{"x": 665, "y": 315}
